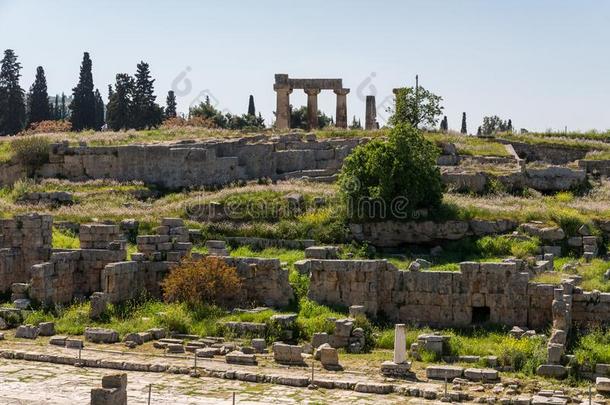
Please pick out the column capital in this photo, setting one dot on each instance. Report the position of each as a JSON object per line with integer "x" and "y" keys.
{"x": 282, "y": 88}
{"x": 312, "y": 92}
{"x": 341, "y": 92}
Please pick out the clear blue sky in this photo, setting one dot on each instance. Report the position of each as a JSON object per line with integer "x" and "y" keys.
{"x": 544, "y": 64}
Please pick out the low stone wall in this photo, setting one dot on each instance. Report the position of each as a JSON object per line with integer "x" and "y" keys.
{"x": 395, "y": 233}
{"x": 480, "y": 292}
{"x": 70, "y": 274}
{"x": 595, "y": 167}
{"x": 264, "y": 281}
{"x": 25, "y": 240}
{"x": 196, "y": 163}
{"x": 554, "y": 154}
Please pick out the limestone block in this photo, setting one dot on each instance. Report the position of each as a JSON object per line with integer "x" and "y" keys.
{"x": 602, "y": 384}
{"x": 237, "y": 357}
{"x": 207, "y": 352}
{"x": 481, "y": 374}
{"x": 133, "y": 337}
{"x": 552, "y": 370}
{"x": 319, "y": 339}
{"x": 441, "y": 372}
{"x": 27, "y": 332}
{"x": 101, "y": 335}
{"x": 259, "y": 345}
{"x": 72, "y": 343}
{"x": 373, "y": 388}
{"x": 58, "y": 340}
{"x": 174, "y": 348}
{"x": 46, "y": 329}
{"x": 287, "y": 354}
{"x": 329, "y": 358}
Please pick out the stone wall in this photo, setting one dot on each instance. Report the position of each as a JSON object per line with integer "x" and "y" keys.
{"x": 491, "y": 292}
{"x": 264, "y": 281}
{"x": 24, "y": 241}
{"x": 554, "y": 154}
{"x": 595, "y": 167}
{"x": 71, "y": 274}
{"x": 197, "y": 163}
{"x": 395, "y": 233}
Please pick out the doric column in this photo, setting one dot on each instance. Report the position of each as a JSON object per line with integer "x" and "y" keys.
{"x": 370, "y": 120}
{"x": 282, "y": 109}
{"x": 312, "y": 107}
{"x": 341, "y": 117}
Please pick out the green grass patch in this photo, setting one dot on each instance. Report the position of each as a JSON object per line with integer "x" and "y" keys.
{"x": 65, "y": 239}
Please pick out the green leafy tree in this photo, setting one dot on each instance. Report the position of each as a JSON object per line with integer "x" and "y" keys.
{"x": 12, "y": 96}
{"x": 39, "y": 99}
{"x": 146, "y": 113}
{"x": 99, "y": 110}
{"x": 494, "y": 124}
{"x": 298, "y": 119}
{"x": 83, "y": 99}
{"x": 464, "y": 129}
{"x": 251, "y": 108}
{"x": 392, "y": 178}
{"x": 356, "y": 124}
{"x": 119, "y": 114}
{"x": 206, "y": 110}
{"x": 170, "y": 105}
{"x": 416, "y": 106}
{"x": 245, "y": 122}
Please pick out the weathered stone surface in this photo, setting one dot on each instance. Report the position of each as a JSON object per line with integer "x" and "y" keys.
{"x": 602, "y": 384}
{"x": 112, "y": 392}
{"x": 442, "y": 372}
{"x": 72, "y": 343}
{"x": 237, "y": 357}
{"x": 329, "y": 357}
{"x": 481, "y": 374}
{"x": 552, "y": 370}
{"x": 322, "y": 252}
{"x": 46, "y": 329}
{"x": 259, "y": 345}
{"x": 174, "y": 348}
{"x": 287, "y": 354}
{"x": 374, "y": 388}
{"x": 101, "y": 335}
{"x": 27, "y": 332}
{"x": 207, "y": 352}
{"x": 394, "y": 370}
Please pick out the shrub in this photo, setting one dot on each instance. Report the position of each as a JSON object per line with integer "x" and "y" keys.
{"x": 393, "y": 178}
{"x": 49, "y": 127}
{"x": 31, "y": 151}
{"x": 209, "y": 280}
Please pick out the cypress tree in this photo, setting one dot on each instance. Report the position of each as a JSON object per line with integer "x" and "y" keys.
{"x": 99, "y": 110}
{"x": 39, "y": 99}
{"x": 56, "y": 111}
{"x": 444, "y": 124}
{"x": 509, "y": 127}
{"x": 119, "y": 111}
{"x": 464, "y": 130}
{"x": 251, "y": 108}
{"x": 83, "y": 99}
{"x": 170, "y": 109}
{"x": 64, "y": 111}
{"x": 146, "y": 113}
{"x": 12, "y": 96}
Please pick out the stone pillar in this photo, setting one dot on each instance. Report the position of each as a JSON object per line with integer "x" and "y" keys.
{"x": 400, "y": 344}
{"x": 312, "y": 107}
{"x": 341, "y": 116}
{"x": 370, "y": 120}
{"x": 282, "y": 109}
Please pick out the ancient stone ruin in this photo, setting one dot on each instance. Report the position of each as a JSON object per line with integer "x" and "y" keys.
{"x": 284, "y": 86}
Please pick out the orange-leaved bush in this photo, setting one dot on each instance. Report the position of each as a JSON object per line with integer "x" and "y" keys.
{"x": 209, "y": 280}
